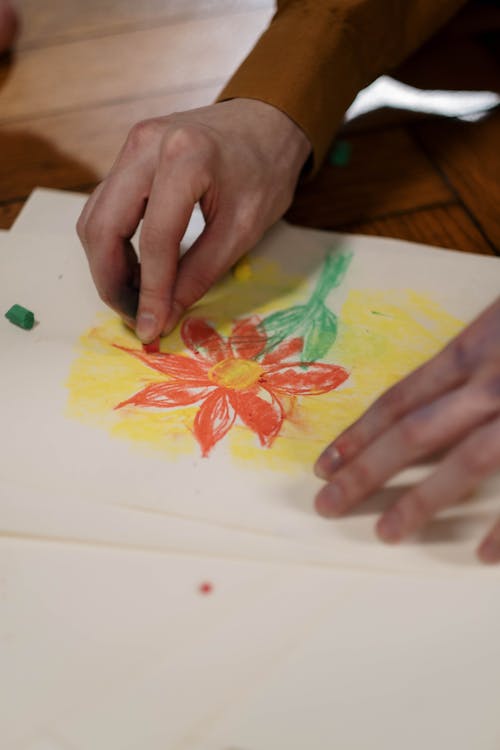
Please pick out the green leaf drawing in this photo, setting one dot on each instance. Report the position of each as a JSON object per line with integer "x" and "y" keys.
{"x": 284, "y": 323}
{"x": 313, "y": 322}
{"x": 320, "y": 336}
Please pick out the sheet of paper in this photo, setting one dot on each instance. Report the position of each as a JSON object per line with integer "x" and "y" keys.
{"x": 400, "y": 663}
{"x": 105, "y": 649}
{"x": 50, "y": 212}
{"x": 60, "y": 516}
{"x": 64, "y": 382}
{"x": 47, "y": 514}
{"x": 81, "y": 628}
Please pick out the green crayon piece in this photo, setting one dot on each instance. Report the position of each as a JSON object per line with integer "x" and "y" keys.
{"x": 340, "y": 154}
{"x": 21, "y": 317}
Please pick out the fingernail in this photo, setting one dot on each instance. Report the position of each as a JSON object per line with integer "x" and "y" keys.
{"x": 489, "y": 551}
{"x": 328, "y": 463}
{"x": 330, "y": 500}
{"x": 389, "y": 526}
{"x": 146, "y": 326}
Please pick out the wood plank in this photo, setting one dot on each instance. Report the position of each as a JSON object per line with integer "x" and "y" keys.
{"x": 64, "y": 20}
{"x": 444, "y": 226}
{"x": 164, "y": 59}
{"x": 77, "y": 148}
{"x": 9, "y": 212}
{"x": 468, "y": 154}
{"x": 387, "y": 174}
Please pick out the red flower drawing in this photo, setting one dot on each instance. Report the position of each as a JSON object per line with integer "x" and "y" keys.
{"x": 227, "y": 379}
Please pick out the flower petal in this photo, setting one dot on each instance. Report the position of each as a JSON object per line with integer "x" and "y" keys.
{"x": 262, "y": 412}
{"x": 304, "y": 379}
{"x": 204, "y": 340}
{"x": 213, "y": 420}
{"x": 284, "y": 350}
{"x": 248, "y": 338}
{"x": 176, "y": 365}
{"x": 168, "y": 395}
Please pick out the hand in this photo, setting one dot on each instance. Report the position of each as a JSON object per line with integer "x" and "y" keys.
{"x": 9, "y": 25}
{"x": 240, "y": 159}
{"x": 452, "y": 402}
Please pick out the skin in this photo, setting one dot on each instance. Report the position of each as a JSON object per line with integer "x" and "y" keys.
{"x": 450, "y": 404}
{"x": 241, "y": 161}
{"x": 9, "y": 25}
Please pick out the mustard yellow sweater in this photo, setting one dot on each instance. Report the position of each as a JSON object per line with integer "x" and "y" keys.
{"x": 317, "y": 55}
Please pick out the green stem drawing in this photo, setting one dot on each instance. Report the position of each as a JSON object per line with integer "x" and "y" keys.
{"x": 313, "y": 321}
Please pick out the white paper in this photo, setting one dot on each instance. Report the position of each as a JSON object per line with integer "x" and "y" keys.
{"x": 104, "y": 649}
{"x": 83, "y": 462}
{"x": 49, "y": 211}
{"x": 56, "y": 212}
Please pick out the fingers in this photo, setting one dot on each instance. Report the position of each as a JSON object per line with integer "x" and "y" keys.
{"x": 489, "y": 550}
{"x": 180, "y": 181}
{"x": 221, "y": 244}
{"x": 445, "y": 371}
{"x": 108, "y": 220}
{"x": 430, "y": 428}
{"x": 9, "y": 26}
{"x": 472, "y": 461}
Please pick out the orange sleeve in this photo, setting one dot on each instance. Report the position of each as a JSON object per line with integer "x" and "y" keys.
{"x": 317, "y": 55}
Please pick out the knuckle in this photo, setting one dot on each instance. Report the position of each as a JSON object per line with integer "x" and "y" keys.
{"x": 142, "y": 134}
{"x": 96, "y": 232}
{"x": 186, "y": 139}
{"x": 152, "y": 241}
{"x": 153, "y": 292}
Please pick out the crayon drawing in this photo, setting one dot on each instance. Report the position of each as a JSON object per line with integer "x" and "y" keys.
{"x": 272, "y": 386}
{"x": 234, "y": 378}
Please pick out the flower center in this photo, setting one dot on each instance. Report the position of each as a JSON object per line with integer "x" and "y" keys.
{"x": 236, "y": 373}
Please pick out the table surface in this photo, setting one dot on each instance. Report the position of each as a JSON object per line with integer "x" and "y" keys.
{"x": 83, "y": 73}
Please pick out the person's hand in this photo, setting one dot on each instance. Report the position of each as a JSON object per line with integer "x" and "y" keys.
{"x": 452, "y": 402}
{"x": 240, "y": 159}
{"x": 9, "y": 25}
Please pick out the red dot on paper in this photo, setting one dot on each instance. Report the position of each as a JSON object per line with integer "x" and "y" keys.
{"x": 206, "y": 587}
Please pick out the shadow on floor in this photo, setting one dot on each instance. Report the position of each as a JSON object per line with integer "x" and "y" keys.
{"x": 29, "y": 161}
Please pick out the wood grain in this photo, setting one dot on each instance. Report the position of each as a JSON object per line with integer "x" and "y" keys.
{"x": 86, "y": 71}
{"x": 468, "y": 154}
{"x": 444, "y": 226}
{"x": 387, "y": 173}
{"x": 78, "y": 148}
{"x": 65, "y": 20}
{"x": 97, "y": 71}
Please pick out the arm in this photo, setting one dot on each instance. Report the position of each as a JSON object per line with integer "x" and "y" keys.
{"x": 317, "y": 55}
{"x": 239, "y": 159}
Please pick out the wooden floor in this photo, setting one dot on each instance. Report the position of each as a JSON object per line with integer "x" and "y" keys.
{"x": 85, "y": 71}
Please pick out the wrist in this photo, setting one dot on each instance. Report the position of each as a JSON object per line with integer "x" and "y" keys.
{"x": 280, "y": 137}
